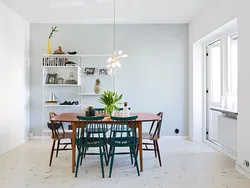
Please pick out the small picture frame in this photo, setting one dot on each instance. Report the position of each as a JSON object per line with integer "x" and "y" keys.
{"x": 103, "y": 71}
{"x": 51, "y": 78}
{"x": 89, "y": 70}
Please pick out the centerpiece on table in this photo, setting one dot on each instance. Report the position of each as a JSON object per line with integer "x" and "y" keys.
{"x": 110, "y": 99}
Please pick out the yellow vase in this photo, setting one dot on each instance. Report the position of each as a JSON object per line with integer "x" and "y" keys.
{"x": 49, "y": 46}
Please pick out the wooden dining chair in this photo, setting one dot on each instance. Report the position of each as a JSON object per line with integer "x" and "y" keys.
{"x": 94, "y": 138}
{"x": 125, "y": 138}
{"x": 153, "y": 136}
{"x": 58, "y": 134}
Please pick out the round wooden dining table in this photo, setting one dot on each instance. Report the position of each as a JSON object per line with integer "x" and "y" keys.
{"x": 72, "y": 118}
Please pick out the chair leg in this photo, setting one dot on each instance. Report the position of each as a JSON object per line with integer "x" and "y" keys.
{"x": 131, "y": 154}
{"x": 158, "y": 152}
{"x": 81, "y": 150}
{"x": 77, "y": 163}
{"x": 112, "y": 161}
{"x": 136, "y": 162}
{"x": 57, "y": 150}
{"x": 52, "y": 152}
{"x": 105, "y": 154}
{"x": 84, "y": 152}
{"x": 155, "y": 148}
{"x": 101, "y": 159}
{"x": 109, "y": 153}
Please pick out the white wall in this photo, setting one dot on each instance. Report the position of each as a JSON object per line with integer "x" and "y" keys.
{"x": 153, "y": 78}
{"x": 14, "y": 79}
{"x": 216, "y": 15}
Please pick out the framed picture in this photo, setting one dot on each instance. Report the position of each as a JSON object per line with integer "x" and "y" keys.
{"x": 89, "y": 70}
{"x": 103, "y": 71}
{"x": 51, "y": 78}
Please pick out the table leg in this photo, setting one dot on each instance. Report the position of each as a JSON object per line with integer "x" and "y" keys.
{"x": 140, "y": 145}
{"x": 74, "y": 126}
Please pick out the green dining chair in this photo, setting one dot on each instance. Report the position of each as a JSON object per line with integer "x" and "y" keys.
{"x": 125, "y": 138}
{"x": 94, "y": 137}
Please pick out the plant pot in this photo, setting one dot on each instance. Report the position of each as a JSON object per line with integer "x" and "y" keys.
{"x": 97, "y": 88}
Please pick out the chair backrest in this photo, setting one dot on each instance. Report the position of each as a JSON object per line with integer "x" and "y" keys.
{"x": 123, "y": 131}
{"x": 94, "y": 128}
{"x": 155, "y": 131}
{"x": 55, "y": 126}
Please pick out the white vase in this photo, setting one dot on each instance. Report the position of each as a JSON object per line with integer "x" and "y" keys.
{"x": 97, "y": 88}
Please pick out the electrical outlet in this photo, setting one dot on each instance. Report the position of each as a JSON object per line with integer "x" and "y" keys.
{"x": 246, "y": 163}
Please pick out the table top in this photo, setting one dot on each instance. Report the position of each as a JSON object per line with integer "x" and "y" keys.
{"x": 72, "y": 117}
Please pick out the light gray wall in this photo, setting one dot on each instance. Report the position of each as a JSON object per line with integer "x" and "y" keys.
{"x": 154, "y": 78}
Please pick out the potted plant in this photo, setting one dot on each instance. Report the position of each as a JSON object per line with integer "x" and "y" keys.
{"x": 110, "y": 99}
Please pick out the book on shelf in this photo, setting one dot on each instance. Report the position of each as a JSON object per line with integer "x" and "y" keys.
{"x": 52, "y": 102}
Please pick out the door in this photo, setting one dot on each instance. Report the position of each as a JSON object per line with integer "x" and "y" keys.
{"x": 214, "y": 88}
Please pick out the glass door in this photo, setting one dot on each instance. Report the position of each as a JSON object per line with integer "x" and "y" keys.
{"x": 214, "y": 88}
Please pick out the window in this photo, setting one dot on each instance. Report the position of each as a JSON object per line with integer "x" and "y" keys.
{"x": 215, "y": 71}
{"x": 233, "y": 70}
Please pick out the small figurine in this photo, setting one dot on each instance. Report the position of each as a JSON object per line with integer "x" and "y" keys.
{"x": 59, "y": 50}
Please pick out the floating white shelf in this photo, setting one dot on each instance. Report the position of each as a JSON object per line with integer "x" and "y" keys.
{"x": 77, "y": 55}
{"x": 61, "y": 66}
{"x": 89, "y": 94}
{"x": 58, "y": 105}
{"x": 61, "y": 85}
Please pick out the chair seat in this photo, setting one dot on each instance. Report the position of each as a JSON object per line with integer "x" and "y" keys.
{"x": 62, "y": 136}
{"x": 95, "y": 142}
{"x": 148, "y": 136}
{"x": 125, "y": 142}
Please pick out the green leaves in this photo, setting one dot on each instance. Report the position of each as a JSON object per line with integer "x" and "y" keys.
{"x": 110, "y": 99}
{"x": 54, "y": 29}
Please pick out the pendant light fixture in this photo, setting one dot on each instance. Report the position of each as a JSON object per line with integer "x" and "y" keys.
{"x": 113, "y": 61}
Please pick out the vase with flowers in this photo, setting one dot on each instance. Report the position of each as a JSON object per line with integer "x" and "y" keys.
{"x": 110, "y": 99}
{"x": 54, "y": 29}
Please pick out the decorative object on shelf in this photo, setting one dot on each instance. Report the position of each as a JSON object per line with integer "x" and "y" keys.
{"x": 89, "y": 70}
{"x": 60, "y": 80}
{"x": 98, "y": 88}
{"x": 110, "y": 99}
{"x": 72, "y": 53}
{"x": 70, "y": 103}
{"x": 90, "y": 111}
{"x": 113, "y": 61}
{"x": 52, "y": 97}
{"x": 51, "y": 78}
{"x": 59, "y": 51}
{"x": 54, "y": 29}
{"x": 103, "y": 71}
{"x": 51, "y": 102}
{"x": 71, "y": 79}
{"x": 69, "y": 63}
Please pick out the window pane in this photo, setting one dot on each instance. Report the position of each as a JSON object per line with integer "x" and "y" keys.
{"x": 233, "y": 70}
{"x": 216, "y": 72}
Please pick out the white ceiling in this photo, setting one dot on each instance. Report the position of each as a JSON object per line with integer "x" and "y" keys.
{"x": 101, "y": 11}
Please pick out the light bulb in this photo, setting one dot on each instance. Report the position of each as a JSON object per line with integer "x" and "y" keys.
{"x": 110, "y": 71}
{"x": 109, "y": 60}
{"x": 118, "y": 64}
{"x": 108, "y": 65}
{"x": 125, "y": 55}
{"x": 120, "y": 52}
{"x": 113, "y": 65}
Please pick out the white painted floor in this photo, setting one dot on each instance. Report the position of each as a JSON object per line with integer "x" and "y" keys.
{"x": 185, "y": 165}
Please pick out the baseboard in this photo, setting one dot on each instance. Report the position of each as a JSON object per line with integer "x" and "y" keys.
{"x": 175, "y": 137}
{"x": 39, "y": 137}
{"x": 232, "y": 156}
{"x": 242, "y": 170}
